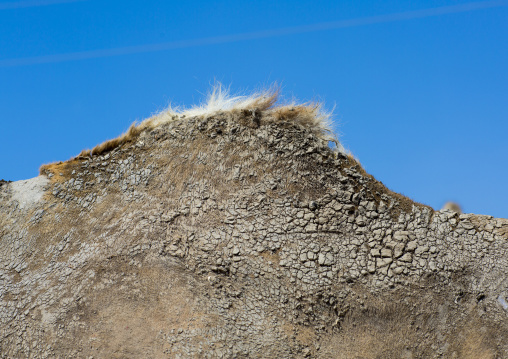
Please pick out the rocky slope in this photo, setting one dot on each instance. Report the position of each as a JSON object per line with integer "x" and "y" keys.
{"x": 232, "y": 235}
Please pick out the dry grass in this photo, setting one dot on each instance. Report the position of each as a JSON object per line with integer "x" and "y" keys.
{"x": 60, "y": 170}
{"x": 353, "y": 162}
{"x": 260, "y": 108}
{"x": 452, "y": 206}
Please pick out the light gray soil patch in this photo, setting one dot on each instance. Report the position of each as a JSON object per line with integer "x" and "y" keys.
{"x": 28, "y": 192}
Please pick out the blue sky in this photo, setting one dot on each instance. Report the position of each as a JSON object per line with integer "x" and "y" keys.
{"x": 420, "y": 88}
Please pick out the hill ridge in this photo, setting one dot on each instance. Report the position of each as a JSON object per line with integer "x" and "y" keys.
{"x": 216, "y": 236}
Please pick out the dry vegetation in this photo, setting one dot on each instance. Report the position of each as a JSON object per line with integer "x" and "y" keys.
{"x": 259, "y": 108}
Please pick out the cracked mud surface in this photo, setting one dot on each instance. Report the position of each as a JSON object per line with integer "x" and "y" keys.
{"x": 212, "y": 238}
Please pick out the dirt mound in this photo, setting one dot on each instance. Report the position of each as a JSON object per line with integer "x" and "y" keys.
{"x": 232, "y": 235}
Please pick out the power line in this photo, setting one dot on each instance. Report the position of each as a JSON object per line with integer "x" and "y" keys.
{"x": 214, "y": 40}
{"x": 33, "y": 3}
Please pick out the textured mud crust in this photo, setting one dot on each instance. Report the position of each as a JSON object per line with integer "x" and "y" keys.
{"x": 247, "y": 110}
{"x": 231, "y": 235}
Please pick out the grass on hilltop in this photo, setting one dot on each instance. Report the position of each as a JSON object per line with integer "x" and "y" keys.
{"x": 261, "y": 107}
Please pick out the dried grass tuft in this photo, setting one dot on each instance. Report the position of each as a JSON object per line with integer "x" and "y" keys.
{"x": 261, "y": 104}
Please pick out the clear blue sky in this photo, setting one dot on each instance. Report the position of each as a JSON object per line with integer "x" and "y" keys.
{"x": 420, "y": 88}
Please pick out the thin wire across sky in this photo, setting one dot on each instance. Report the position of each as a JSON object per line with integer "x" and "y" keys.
{"x": 33, "y": 3}
{"x": 262, "y": 34}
